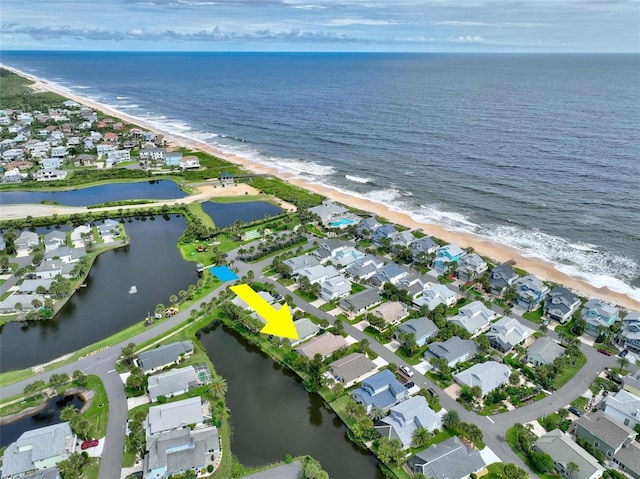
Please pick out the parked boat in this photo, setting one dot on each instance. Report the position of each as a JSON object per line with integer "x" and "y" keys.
{"x": 133, "y": 289}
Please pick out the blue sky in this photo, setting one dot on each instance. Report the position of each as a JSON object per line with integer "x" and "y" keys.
{"x": 323, "y": 25}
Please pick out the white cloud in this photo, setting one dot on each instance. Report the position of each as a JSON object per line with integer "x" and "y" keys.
{"x": 476, "y": 39}
{"x": 346, "y": 22}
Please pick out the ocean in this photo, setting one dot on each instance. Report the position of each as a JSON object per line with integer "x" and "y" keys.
{"x": 538, "y": 152}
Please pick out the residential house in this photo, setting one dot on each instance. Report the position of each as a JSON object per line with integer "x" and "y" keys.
{"x": 59, "y": 152}
{"x": 174, "y": 453}
{"x": 446, "y": 255}
{"x": 628, "y": 460}
{"x": 475, "y": 317}
{"x": 454, "y": 350}
{"x": 156, "y": 154}
{"x": 110, "y": 137}
{"x": 334, "y": 288}
{"x": 26, "y": 242}
{"x": 172, "y": 383}
{"x": 49, "y": 269}
{"x": 103, "y": 150}
{"x": 402, "y": 239}
{"x": 500, "y": 278}
{"x": 423, "y": 247}
{"x": 163, "y": 356}
{"x": 171, "y": 158}
{"x": 50, "y": 174}
{"x": 324, "y": 345}
{"x": 383, "y": 232}
{"x": 78, "y": 235}
{"x": 329, "y": 213}
{"x": 604, "y": 433}
{"x": 450, "y": 459}
{"x": 118, "y": 156}
{"x": 20, "y": 164}
{"x": 30, "y": 286}
{"x": 366, "y": 227}
{"x": 624, "y": 407}
{"x": 317, "y": 274}
{"x": 544, "y": 351}
{"x": 175, "y": 415}
{"x": 66, "y": 254}
{"x": 508, "y": 332}
{"x": 12, "y": 154}
{"x": 51, "y": 163}
{"x": 405, "y": 418}
{"x": 328, "y": 249}
{"x": 391, "y": 312}
{"x": 299, "y": 263}
{"x": 389, "y": 273}
{"x": 54, "y": 240}
{"x": 422, "y": 329}
{"x": 631, "y": 383}
{"x": 364, "y": 267}
{"x": 563, "y": 450}
{"x": 631, "y": 332}
{"x": 345, "y": 256}
{"x": 277, "y": 307}
{"x": 531, "y": 292}
{"x": 382, "y": 390}
{"x": 306, "y": 329}
{"x": 12, "y": 176}
{"x": 352, "y": 368}
{"x": 360, "y": 302}
{"x": 413, "y": 284}
{"x": 470, "y": 267}
{"x": 19, "y": 302}
{"x": 489, "y": 376}
{"x": 560, "y": 304}
{"x": 38, "y": 449}
{"x": 189, "y": 162}
{"x": 599, "y": 314}
{"x": 108, "y": 230}
{"x": 238, "y": 301}
{"x": 435, "y": 295}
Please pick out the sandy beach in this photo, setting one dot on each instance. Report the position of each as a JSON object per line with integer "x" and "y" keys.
{"x": 495, "y": 251}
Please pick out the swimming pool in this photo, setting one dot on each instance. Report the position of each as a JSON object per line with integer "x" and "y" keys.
{"x": 342, "y": 222}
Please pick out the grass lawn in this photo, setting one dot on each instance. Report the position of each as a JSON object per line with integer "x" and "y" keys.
{"x": 91, "y": 471}
{"x": 22, "y": 405}
{"x": 375, "y": 334}
{"x": 566, "y": 374}
{"x": 98, "y": 412}
{"x": 510, "y": 436}
{"x": 356, "y": 288}
{"x": 580, "y": 403}
{"x": 413, "y": 360}
{"x": 534, "y": 316}
{"x": 308, "y": 297}
{"x": 330, "y": 306}
{"x": 196, "y": 210}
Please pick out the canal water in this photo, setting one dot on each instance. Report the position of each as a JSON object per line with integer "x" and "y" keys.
{"x": 224, "y": 214}
{"x": 272, "y": 415}
{"x": 147, "y": 190}
{"x": 48, "y": 416}
{"x": 151, "y": 262}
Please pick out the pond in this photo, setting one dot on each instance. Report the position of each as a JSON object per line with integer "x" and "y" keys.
{"x": 48, "y": 416}
{"x": 224, "y": 214}
{"x": 93, "y": 195}
{"x": 272, "y": 415}
{"x": 151, "y": 262}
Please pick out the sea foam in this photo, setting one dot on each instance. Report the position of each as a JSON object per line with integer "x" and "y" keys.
{"x": 358, "y": 179}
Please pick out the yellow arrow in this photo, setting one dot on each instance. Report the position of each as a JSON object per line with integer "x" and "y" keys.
{"x": 279, "y": 322}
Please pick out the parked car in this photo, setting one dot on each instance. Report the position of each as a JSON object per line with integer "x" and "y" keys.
{"x": 575, "y": 411}
{"x": 546, "y": 321}
{"x": 604, "y": 351}
{"x": 89, "y": 444}
{"x": 432, "y": 392}
{"x": 623, "y": 353}
{"x": 409, "y": 385}
{"x": 405, "y": 369}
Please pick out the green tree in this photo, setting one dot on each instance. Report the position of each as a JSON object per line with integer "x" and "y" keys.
{"x": 390, "y": 451}
{"x": 377, "y": 413}
{"x": 218, "y": 387}
{"x": 363, "y": 345}
{"x": 511, "y": 471}
{"x": 128, "y": 353}
{"x": 541, "y": 461}
{"x": 420, "y": 437}
{"x": 136, "y": 379}
{"x": 34, "y": 387}
{"x": 80, "y": 378}
{"x": 451, "y": 420}
{"x": 579, "y": 325}
{"x": 623, "y": 362}
{"x": 572, "y": 467}
{"x": 56, "y": 380}
{"x": 69, "y": 413}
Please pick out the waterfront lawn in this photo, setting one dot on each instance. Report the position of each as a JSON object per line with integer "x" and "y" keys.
{"x": 534, "y": 316}
{"x": 281, "y": 189}
{"x": 196, "y": 210}
{"x": 17, "y": 406}
{"x": 98, "y": 413}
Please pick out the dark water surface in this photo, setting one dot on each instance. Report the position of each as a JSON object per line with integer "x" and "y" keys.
{"x": 48, "y": 416}
{"x": 151, "y": 262}
{"x": 93, "y": 195}
{"x": 224, "y": 214}
{"x": 272, "y": 415}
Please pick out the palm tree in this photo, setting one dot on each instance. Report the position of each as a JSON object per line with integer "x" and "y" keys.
{"x": 622, "y": 361}
{"x": 377, "y": 413}
{"x": 420, "y": 437}
{"x": 218, "y": 387}
{"x": 451, "y": 419}
{"x": 572, "y": 467}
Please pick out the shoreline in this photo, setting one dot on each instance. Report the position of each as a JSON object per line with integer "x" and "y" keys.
{"x": 544, "y": 269}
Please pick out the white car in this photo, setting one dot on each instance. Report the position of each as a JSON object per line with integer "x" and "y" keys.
{"x": 406, "y": 371}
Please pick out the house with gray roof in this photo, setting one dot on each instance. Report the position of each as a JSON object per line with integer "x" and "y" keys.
{"x": 382, "y": 232}
{"x": 422, "y": 329}
{"x": 434, "y": 295}
{"x": 450, "y": 459}
{"x": 49, "y": 269}
{"x": 329, "y": 212}
{"x": 277, "y": 307}
{"x": 413, "y": 284}
{"x": 544, "y": 351}
{"x": 26, "y": 242}
{"x": 172, "y": 383}
{"x": 508, "y": 332}
{"x": 563, "y": 450}
{"x": 392, "y": 312}
{"x": 166, "y": 355}
{"x": 624, "y": 407}
{"x": 531, "y": 292}
{"x": 560, "y": 304}
{"x": 631, "y": 332}
{"x": 603, "y": 432}
{"x": 366, "y": 227}
{"x": 631, "y": 383}
{"x": 364, "y": 268}
{"x": 488, "y": 376}
{"x": 174, "y": 415}
{"x": 422, "y": 247}
{"x": 238, "y": 301}
{"x": 347, "y": 256}
{"x": 470, "y": 267}
{"x": 628, "y": 459}
{"x": 597, "y": 313}
{"x": 454, "y": 350}
{"x": 500, "y": 278}
{"x": 66, "y": 254}
{"x": 389, "y": 273}
{"x": 402, "y": 239}
{"x": 359, "y": 302}
{"x": 51, "y": 473}
{"x": 299, "y": 263}
{"x": 329, "y": 248}
{"x": 78, "y": 234}
{"x": 352, "y": 369}
{"x": 317, "y": 274}
{"x": 38, "y": 449}
{"x": 54, "y": 240}
{"x": 405, "y": 418}
{"x": 30, "y": 286}
{"x": 306, "y": 329}
{"x": 475, "y": 317}
{"x": 108, "y": 230}
{"x": 381, "y": 390}
{"x": 334, "y": 288}
{"x": 180, "y": 451}
{"x": 19, "y": 302}
{"x": 324, "y": 345}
